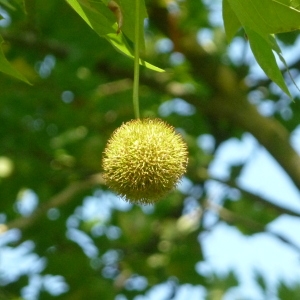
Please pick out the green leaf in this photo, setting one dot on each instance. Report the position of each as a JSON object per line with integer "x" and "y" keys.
{"x": 22, "y": 4}
{"x": 231, "y": 22}
{"x": 129, "y": 20}
{"x": 120, "y": 43}
{"x": 254, "y": 213}
{"x": 276, "y": 48}
{"x": 7, "y": 4}
{"x": 235, "y": 170}
{"x": 267, "y": 16}
{"x": 287, "y": 292}
{"x": 260, "y": 19}
{"x": 261, "y": 281}
{"x": 97, "y": 18}
{"x": 286, "y": 15}
{"x": 262, "y": 50}
{"x": 219, "y": 285}
{"x": 103, "y": 22}
{"x": 7, "y": 68}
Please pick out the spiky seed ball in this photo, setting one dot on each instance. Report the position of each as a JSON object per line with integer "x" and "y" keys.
{"x": 144, "y": 159}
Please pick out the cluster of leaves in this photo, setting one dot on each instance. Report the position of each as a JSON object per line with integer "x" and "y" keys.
{"x": 261, "y": 20}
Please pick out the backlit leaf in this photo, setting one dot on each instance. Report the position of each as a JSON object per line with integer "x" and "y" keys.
{"x": 267, "y": 16}
{"x": 262, "y": 50}
{"x": 98, "y": 16}
{"x": 129, "y": 20}
{"x": 231, "y": 22}
{"x": 260, "y": 19}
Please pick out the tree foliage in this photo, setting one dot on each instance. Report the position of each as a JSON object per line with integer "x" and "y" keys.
{"x": 55, "y": 207}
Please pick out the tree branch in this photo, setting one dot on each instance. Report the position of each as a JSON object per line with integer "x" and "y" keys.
{"x": 269, "y": 132}
{"x": 256, "y": 198}
{"x": 230, "y": 217}
{"x": 30, "y": 40}
{"x": 61, "y": 199}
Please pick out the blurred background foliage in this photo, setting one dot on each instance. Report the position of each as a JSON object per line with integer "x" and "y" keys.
{"x": 80, "y": 241}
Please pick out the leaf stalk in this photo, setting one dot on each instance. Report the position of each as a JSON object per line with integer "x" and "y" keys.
{"x": 136, "y": 61}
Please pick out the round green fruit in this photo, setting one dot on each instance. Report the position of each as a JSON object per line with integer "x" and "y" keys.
{"x": 144, "y": 160}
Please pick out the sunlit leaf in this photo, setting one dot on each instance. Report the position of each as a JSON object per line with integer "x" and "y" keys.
{"x": 98, "y": 16}
{"x": 231, "y": 22}
{"x": 129, "y": 20}
{"x": 120, "y": 43}
{"x": 267, "y": 16}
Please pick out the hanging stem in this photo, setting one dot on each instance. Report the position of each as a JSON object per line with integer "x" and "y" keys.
{"x": 136, "y": 60}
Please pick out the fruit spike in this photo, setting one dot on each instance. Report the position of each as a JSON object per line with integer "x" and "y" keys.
{"x": 144, "y": 159}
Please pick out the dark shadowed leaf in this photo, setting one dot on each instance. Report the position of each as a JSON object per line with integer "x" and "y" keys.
{"x": 286, "y": 292}
{"x": 7, "y": 68}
